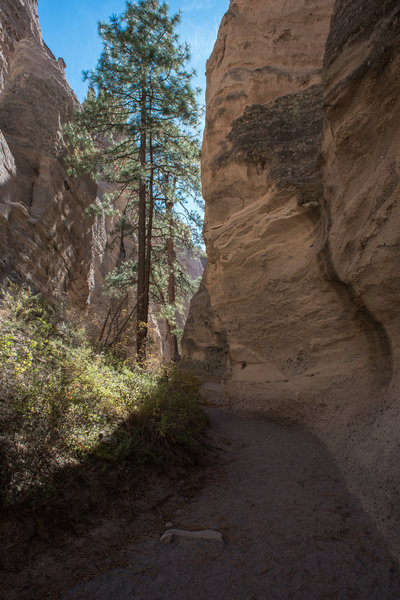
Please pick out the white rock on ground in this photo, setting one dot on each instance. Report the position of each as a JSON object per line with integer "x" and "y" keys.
{"x": 205, "y": 534}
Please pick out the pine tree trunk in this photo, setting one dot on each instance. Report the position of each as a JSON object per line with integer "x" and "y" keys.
{"x": 142, "y": 310}
{"x": 142, "y": 289}
{"x": 172, "y": 337}
{"x": 149, "y": 224}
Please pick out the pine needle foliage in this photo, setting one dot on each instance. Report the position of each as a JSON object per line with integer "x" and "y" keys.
{"x": 138, "y": 130}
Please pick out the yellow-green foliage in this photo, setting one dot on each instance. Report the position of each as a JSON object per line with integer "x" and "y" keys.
{"x": 62, "y": 403}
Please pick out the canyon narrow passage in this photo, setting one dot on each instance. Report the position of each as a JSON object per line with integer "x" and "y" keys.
{"x": 290, "y": 531}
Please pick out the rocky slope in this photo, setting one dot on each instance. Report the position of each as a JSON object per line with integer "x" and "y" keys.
{"x": 300, "y": 177}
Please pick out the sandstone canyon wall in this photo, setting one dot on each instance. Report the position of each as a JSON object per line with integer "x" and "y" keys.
{"x": 18, "y": 20}
{"x": 296, "y": 318}
{"x": 45, "y": 236}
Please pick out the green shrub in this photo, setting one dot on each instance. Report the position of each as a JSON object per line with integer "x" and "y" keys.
{"x": 62, "y": 404}
{"x": 166, "y": 425}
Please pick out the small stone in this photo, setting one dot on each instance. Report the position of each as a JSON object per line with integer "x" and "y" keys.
{"x": 205, "y": 534}
{"x": 169, "y": 525}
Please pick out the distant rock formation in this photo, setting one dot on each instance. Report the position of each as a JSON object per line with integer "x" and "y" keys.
{"x": 301, "y": 164}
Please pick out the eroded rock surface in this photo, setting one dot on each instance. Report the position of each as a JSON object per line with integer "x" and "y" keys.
{"x": 362, "y": 189}
{"x": 18, "y": 20}
{"x": 46, "y": 238}
{"x": 301, "y": 181}
{"x": 44, "y": 234}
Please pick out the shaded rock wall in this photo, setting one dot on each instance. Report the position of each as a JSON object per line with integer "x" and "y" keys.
{"x": 42, "y": 210}
{"x": 300, "y": 177}
{"x": 362, "y": 190}
{"x": 204, "y": 345}
{"x": 45, "y": 236}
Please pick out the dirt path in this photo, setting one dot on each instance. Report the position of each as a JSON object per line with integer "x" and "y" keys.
{"x": 290, "y": 531}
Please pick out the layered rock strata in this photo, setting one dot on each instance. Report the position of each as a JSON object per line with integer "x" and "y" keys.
{"x": 46, "y": 238}
{"x": 18, "y": 20}
{"x": 361, "y": 174}
{"x": 301, "y": 181}
{"x": 261, "y": 176}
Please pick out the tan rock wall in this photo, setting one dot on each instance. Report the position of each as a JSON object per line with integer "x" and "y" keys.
{"x": 302, "y": 186}
{"x": 45, "y": 236}
{"x": 362, "y": 188}
{"x": 284, "y": 323}
{"x": 18, "y": 20}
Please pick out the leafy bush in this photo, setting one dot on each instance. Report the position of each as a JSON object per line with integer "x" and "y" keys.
{"x": 166, "y": 425}
{"x": 62, "y": 404}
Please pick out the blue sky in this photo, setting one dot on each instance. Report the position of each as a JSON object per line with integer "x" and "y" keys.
{"x": 69, "y": 29}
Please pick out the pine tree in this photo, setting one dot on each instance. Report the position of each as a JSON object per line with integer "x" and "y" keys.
{"x": 137, "y": 129}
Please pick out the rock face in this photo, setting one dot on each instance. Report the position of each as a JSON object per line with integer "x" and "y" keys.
{"x": 45, "y": 236}
{"x": 301, "y": 181}
{"x": 262, "y": 185}
{"x": 18, "y": 20}
{"x": 362, "y": 190}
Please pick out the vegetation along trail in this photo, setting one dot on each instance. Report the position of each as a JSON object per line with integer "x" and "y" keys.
{"x": 290, "y": 530}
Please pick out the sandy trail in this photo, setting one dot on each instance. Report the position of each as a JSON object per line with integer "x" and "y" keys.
{"x": 290, "y": 529}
